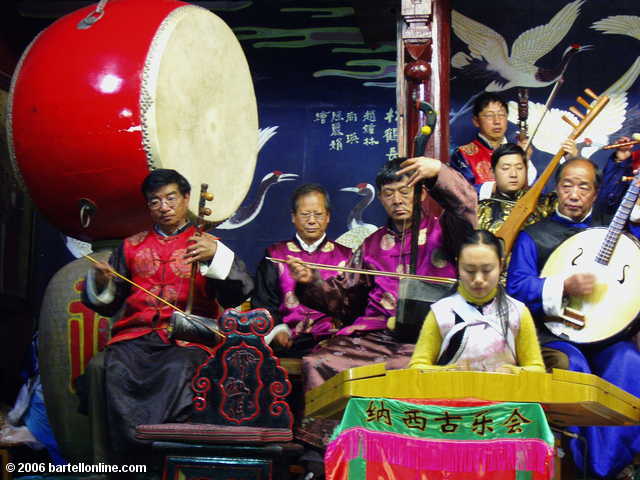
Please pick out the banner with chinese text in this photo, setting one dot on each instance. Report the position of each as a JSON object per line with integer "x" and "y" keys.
{"x": 384, "y": 438}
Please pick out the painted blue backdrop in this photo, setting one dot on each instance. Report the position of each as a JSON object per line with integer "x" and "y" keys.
{"x": 328, "y": 100}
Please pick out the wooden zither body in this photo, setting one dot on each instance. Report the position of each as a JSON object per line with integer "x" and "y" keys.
{"x": 568, "y": 398}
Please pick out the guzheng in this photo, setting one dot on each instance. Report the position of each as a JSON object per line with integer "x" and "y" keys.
{"x": 568, "y": 398}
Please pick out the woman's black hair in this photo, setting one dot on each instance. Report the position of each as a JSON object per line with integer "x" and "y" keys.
{"x": 482, "y": 237}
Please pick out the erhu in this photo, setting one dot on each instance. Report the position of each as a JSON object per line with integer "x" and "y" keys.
{"x": 415, "y": 296}
{"x": 185, "y": 325}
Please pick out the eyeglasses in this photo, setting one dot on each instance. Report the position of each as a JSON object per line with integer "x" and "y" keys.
{"x": 156, "y": 203}
{"x": 306, "y": 216}
{"x": 493, "y": 116}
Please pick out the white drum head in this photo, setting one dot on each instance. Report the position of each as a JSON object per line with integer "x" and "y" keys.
{"x": 199, "y": 108}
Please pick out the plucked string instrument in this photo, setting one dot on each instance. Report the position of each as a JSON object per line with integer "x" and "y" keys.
{"x": 526, "y": 205}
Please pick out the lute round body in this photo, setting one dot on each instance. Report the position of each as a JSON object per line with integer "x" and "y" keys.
{"x": 611, "y": 310}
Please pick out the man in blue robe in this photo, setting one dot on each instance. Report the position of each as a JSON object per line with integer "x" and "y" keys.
{"x": 610, "y": 449}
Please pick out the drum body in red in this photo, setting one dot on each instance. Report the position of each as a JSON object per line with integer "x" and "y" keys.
{"x": 92, "y": 111}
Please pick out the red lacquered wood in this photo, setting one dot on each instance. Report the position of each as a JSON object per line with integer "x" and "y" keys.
{"x": 75, "y": 121}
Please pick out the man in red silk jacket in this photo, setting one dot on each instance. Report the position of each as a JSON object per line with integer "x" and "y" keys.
{"x": 147, "y": 375}
{"x": 473, "y": 160}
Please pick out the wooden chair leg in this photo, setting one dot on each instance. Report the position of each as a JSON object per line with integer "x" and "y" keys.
{"x": 4, "y": 459}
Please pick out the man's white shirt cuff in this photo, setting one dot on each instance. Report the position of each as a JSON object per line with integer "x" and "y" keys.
{"x": 486, "y": 190}
{"x": 281, "y": 327}
{"x": 532, "y": 172}
{"x": 552, "y": 292}
{"x": 103, "y": 298}
{"x": 220, "y": 265}
{"x": 635, "y": 214}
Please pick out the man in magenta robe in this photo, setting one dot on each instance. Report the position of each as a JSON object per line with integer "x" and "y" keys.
{"x": 370, "y": 301}
{"x": 299, "y": 328}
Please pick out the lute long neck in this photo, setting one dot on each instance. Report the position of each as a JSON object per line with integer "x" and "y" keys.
{"x": 526, "y": 205}
{"x": 617, "y": 224}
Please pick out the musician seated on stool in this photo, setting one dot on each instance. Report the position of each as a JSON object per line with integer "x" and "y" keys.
{"x": 610, "y": 448}
{"x": 622, "y": 163}
{"x": 478, "y": 326}
{"x": 371, "y": 300}
{"x": 147, "y": 375}
{"x": 510, "y": 171}
{"x": 299, "y": 328}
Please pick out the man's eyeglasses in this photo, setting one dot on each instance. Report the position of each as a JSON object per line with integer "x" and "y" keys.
{"x": 156, "y": 203}
{"x": 493, "y": 116}
{"x": 306, "y": 216}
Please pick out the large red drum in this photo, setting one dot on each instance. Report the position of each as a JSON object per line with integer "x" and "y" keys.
{"x": 151, "y": 84}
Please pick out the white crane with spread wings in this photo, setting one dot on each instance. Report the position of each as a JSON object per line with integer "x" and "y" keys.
{"x": 489, "y": 55}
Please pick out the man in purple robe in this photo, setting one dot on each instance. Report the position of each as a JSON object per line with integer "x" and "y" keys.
{"x": 299, "y": 328}
{"x": 370, "y": 301}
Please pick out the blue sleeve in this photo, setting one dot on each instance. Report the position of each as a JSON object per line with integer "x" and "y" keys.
{"x": 459, "y": 163}
{"x": 523, "y": 280}
{"x": 634, "y": 228}
{"x": 612, "y": 188}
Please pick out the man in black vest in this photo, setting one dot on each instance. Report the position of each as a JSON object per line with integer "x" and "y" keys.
{"x": 610, "y": 448}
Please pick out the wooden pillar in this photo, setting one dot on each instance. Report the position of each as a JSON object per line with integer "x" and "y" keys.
{"x": 423, "y": 41}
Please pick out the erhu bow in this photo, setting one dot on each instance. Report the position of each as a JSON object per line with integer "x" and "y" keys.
{"x": 526, "y": 205}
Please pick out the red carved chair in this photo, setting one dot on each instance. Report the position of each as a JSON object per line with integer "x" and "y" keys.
{"x": 242, "y": 424}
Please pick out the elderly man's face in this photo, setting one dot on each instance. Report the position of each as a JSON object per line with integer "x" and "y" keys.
{"x": 311, "y": 217}
{"x": 168, "y": 207}
{"x": 576, "y": 189}
{"x": 397, "y": 200}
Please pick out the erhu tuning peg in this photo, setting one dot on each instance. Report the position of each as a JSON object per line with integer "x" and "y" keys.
{"x": 207, "y": 196}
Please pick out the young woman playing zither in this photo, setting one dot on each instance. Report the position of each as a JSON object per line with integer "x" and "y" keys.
{"x": 479, "y": 326}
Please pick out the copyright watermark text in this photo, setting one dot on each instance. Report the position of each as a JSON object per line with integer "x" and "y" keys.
{"x": 46, "y": 467}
